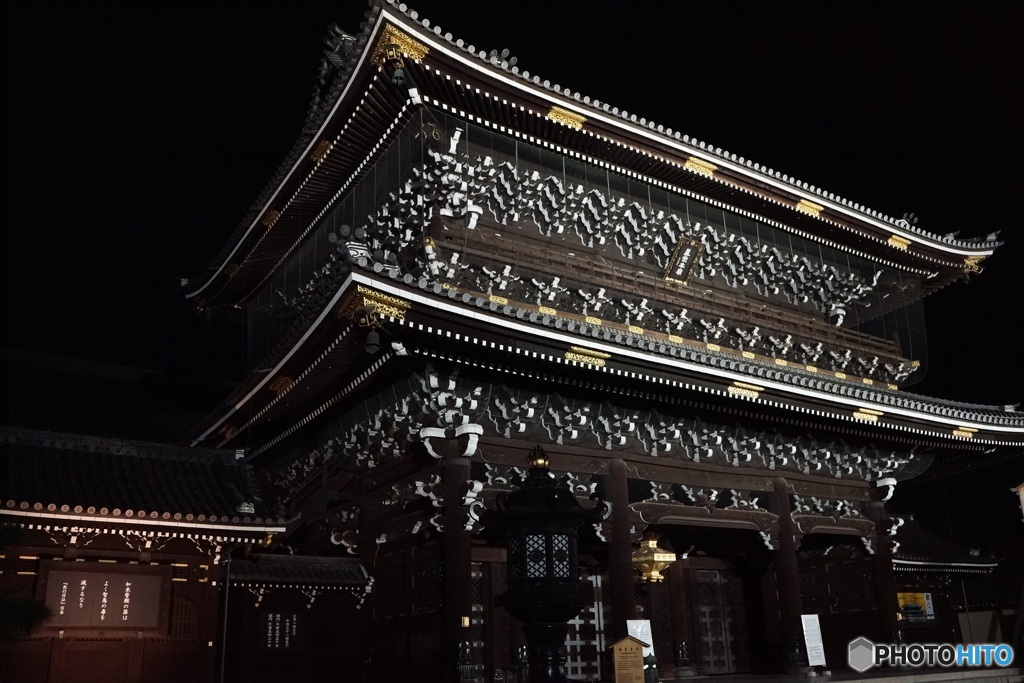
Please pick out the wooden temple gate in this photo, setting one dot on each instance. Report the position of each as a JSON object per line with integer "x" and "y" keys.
{"x": 495, "y": 265}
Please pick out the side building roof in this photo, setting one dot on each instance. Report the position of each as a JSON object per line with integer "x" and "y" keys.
{"x": 66, "y": 478}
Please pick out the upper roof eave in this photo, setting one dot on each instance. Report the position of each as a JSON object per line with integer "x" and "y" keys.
{"x": 300, "y": 152}
{"x": 594, "y": 110}
{"x": 610, "y": 118}
{"x": 820, "y": 390}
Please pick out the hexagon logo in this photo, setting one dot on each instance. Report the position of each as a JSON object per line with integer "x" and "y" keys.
{"x": 861, "y": 655}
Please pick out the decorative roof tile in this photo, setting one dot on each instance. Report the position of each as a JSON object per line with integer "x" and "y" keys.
{"x": 285, "y": 570}
{"x": 71, "y": 474}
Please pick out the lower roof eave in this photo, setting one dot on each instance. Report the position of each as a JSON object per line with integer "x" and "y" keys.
{"x": 165, "y": 525}
{"x": 951, "y": 567}
{"x": 937, "y": 425}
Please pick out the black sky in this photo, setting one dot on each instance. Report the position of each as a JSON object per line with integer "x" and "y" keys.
{"x": 138, "y": 134}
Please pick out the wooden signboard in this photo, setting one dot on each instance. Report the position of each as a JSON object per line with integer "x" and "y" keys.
{"x": 83, "y": 596}
{"x": 686, "y": 253}
{"x": 629, "y": 660}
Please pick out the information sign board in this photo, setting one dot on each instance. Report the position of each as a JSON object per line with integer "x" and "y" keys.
{"x": 88, "y": 599}
{"x": 280, "y": 631}
{"x": 629, "y": 660}
{"x": 812, "y": 639}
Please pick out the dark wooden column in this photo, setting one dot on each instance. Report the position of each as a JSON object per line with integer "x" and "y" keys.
{"x": 58, "y": 648}
{"x": 682, "y": 620}
{"x": 658, "y": 609}
{"x": 787, "y": 578}
{"x": 620, "y": 560}
{"x": 885, "y": 577}
{"x": 457, "y": 562}
{"x": 136, "y": 651}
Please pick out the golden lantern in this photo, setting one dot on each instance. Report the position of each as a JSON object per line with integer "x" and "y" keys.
{"x": 650, "y": 560}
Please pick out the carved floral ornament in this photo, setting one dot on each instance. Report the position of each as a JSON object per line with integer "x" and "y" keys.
{"x": 972, "y": 264}
{"x": 639, "y": 234}
{"x": 898, "y": 242}
{"x": 321, "y": 151}
{"x": 809, "y": 208}
{"x": 408, "y": 46}
{"x": 700, "y": 167}
{"x": 366, "y": 304}
{"x": 439, "y": 411}
{"x": 581, "y": 354}
{"x": 567, "y": 118}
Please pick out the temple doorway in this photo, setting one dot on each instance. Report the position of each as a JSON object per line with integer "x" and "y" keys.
{"x": 721, "y": 621}
{"x": 717, "y": 591}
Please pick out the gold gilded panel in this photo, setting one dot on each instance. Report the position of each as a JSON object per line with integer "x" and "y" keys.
{"x": 409, "y": 46}
{"x": 567, "y": 118}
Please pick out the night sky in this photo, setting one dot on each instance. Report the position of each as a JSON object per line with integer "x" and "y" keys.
{"x": 138, "y": 134}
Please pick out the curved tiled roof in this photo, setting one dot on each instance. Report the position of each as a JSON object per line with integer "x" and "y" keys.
{"x": 792, "y": 379}
{"x": 285, "y": 570}
{"x": 349, "y": 55}
{"x": 344, "y": 61}
{"x": 507, "y": 65}
{"x": 60, "y": 475}
{"x": 921, "y": 549}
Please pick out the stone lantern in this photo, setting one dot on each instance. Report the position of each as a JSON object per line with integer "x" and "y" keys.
{"x": 541, "y": 521}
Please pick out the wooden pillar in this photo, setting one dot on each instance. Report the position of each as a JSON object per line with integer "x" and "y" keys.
{"x": 136, "y": 653}
{"x": 682, "y": 629}
{"x": 787, "y": 578}
{"x": 885, "y": 577}
{"x": 620, "y": 560}
{"x": 58, "y": 647}
{"x": 458, "y": 609}
{"x": 658, "y": 609}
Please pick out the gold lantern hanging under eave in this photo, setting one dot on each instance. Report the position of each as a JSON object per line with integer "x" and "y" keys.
{"x": 650, "y": 560}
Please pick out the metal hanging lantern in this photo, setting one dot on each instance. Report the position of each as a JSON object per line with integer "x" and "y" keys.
{"x": 650, "y": 560}
{"x": 541, "y": 521}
